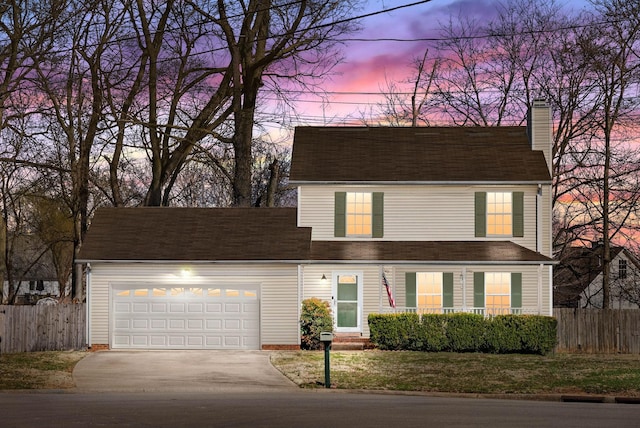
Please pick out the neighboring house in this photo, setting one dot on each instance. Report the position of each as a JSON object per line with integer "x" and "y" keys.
{"x": 578, "y": 278}
{"x": 423, "y": 219}
{"x": 32, "y": 272}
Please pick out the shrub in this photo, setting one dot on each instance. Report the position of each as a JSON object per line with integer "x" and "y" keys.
{"x": 504, "y": 334}
{"x": 394, "y": 331}
{"x": 315, "y": 317}
{"x": 434, "y": 328}
{"x": 463, "y": 332}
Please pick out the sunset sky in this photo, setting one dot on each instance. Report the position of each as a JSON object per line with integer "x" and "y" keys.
{"x": 368, "y": 62}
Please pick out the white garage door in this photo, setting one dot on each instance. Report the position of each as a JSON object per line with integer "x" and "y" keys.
{"x": 148, "y": 317}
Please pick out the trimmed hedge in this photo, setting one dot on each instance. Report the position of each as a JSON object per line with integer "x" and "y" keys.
{"x": 463, "y": 332}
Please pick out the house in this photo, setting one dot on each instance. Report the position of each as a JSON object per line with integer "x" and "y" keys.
{"x": 578, "y": 278}
{"x": 33, "y": 274}
{"x": 388, "y": 219}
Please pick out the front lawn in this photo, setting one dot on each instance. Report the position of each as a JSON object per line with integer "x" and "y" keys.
{"x": 473, "y": 373}
{"x": 38, "y": 370}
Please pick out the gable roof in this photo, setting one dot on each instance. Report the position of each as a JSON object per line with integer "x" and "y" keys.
{"x": 194, "y": 234}
{"x": 416, "y": 154}
{"x": 578, "y": 267}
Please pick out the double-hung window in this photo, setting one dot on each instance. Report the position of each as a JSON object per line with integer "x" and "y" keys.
{"x": 359, "y": 214}
{"x": 497, "y": 293}
{"x": 429, "y": 292}
{"x": 499, "y": 214}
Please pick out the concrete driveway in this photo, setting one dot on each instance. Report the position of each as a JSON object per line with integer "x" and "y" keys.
{"x": 177, "y": 371}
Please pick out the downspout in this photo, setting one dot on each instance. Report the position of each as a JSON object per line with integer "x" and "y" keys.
{"x": 539, "y": 219}
{"x": 88, "y": 308}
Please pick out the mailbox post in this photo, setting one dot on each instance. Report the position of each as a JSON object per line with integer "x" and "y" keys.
{"x": 326, "y": 337}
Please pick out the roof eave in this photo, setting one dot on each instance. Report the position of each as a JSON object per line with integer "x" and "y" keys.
{"x": 326, "y": 262}
{"x": 424, "y": 183}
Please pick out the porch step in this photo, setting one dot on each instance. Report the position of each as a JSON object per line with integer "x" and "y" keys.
{"x": 347, "y": 342}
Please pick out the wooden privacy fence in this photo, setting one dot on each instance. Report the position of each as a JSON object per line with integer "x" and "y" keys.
{"x": 607, "y": 331}
{"x": 42, "y": 328}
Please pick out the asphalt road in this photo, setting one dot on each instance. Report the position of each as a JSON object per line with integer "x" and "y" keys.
{"x": 304, "y": 408}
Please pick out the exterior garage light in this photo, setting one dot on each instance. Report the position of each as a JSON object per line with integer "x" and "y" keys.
{"x": 323, "y": 280}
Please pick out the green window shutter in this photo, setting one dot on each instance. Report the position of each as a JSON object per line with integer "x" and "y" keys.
{"x": 340, "y": 215}
{"x": 377, "y": 209}
{"x": 481, "y": 214}
{"x": 447, "y": 290}
{"x": 518, "y": 214}
{"x": 410, "y": 289}
{"x": 516, "y": 290}
{"x": 478, "y": 289}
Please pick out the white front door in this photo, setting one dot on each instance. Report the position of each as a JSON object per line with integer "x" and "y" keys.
{"x": 347, "y": 292}
{"x": 184, "y": 317}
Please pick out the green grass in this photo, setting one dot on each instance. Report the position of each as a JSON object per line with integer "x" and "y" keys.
{"x": 466, "y": 373}
{"x": 38, "y": 370}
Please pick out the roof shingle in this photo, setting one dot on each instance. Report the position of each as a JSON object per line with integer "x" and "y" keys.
{"x": 433, "y": 154}
{"x": 194, "y": 234}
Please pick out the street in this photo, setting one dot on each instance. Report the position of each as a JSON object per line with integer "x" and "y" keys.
{"x": 305, "y": 408}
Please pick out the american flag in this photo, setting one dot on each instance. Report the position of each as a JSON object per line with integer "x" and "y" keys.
{"x": 392, "y": 302}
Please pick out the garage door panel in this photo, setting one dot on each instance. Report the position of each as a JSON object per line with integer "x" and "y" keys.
{"x": 159, "y": 307}
{"x": 232, "y": 308}
{"x": 140, "y": 340}
{"x": 141, "y": 324}
{"x": 195, "y": 324}
{"x": 197, "y": 341}
{"x": 176, "y": 308}
{"x": 160, "y": 341}
{"x": 214, "y": 308}
{"x": 195, "y": 308}
{"x": 122, "y": 308}
{"x": 158, "y": 324}
{"x": 140, "y": 308}
{"x": 213, "y": 324}
{"x": 177, "y": 324}
{"x": 202, "y": 318}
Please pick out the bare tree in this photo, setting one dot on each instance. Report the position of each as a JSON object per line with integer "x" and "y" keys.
{"x": 613, "y": 56}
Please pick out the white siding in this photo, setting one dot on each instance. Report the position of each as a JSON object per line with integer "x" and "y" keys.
{"x": 422, "y": 213}
{"x": 278, "y": 285}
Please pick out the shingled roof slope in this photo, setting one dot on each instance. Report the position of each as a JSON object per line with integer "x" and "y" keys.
{"x": 426, "y": 251}
{"x": 195, "y": 234}
{"x": 427, "y": 154}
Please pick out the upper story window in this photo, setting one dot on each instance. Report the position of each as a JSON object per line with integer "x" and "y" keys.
{"x": 499, "y": 214}
{"x": 359, "y": 214}
{"x": 622, "y": 269}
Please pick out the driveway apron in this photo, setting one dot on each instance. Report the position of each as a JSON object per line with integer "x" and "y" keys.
{"x": 180, "y": 371}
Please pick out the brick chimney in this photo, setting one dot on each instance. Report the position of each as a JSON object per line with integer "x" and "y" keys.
{"x": 540, "y": 128}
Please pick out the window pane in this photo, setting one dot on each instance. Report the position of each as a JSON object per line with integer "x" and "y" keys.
{"x": 359, "y": 208}
{"x": 347, "y": 314}
{"x": 348, "y": 292}
{"x": 499, "y": 213}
